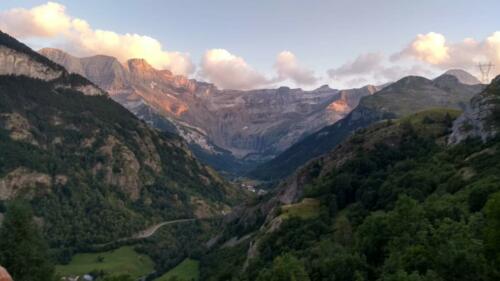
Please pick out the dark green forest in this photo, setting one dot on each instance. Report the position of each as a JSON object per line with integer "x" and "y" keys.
{"x": 408, "y": 208}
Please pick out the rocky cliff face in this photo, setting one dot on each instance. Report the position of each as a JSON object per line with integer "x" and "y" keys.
{"x": 13, "y": 62}
{"x": 251, "y": 125}
{"x": 482, "y": 116}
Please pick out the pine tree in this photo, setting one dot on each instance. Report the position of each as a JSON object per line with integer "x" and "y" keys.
{"x": 23, "y": 251}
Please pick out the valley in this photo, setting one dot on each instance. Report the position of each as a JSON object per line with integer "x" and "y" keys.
{"x": 122, "y": 160}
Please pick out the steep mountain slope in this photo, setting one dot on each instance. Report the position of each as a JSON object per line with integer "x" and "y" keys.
{"x": 408, "y": 95}
{"x": 237, "y": 127}
{"x": 91, "y": 169}
{"x": 392, "y": 202}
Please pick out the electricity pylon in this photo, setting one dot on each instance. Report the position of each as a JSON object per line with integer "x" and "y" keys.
{"x": 485, "y": 69}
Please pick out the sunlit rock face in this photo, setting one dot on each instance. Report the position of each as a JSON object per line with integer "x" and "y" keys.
{"x": 251, "y": 125}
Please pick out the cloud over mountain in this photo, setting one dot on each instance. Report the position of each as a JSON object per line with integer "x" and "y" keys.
{"x": 430, "y": 48}
{"x": 50, "y": 20}
{"x": 363, "y": 64}
{"x": 288, "y": 67}
{"x": 229, "y": 71}
{"x": 433, "y": 49}
{"x": 373, "y": 68}
{"x": 426, "y": 54}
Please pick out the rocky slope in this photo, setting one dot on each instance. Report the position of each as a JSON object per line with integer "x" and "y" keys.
{"x": 222, "y": 125}
{"x": 91, "y": 169}
{"x": 481, "y": 118}
{"x": 408, "y": 95}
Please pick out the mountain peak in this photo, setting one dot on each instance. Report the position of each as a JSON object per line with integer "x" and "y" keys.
{"x": 324, "y": 87}
{"x": 139, "y": 65}
{"x": 463, "y": 76}
{"x": 410, "y": 82}
{"x": 53, "y": 51}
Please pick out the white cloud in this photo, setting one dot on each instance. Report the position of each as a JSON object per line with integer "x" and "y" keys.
{"x": 434, "y": 50}
{"x": 229, "y": 71}
{"x": 51, "y": 21}
{"x": 47, "y": 20}
{"x": 430, "y": 48}
{"x": 363, "y": 64}
{"x": 288, "y": 67}
{"x": 373, "y": 68}
{"x": 426, "y": 55}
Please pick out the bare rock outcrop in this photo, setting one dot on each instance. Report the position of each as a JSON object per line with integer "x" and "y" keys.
{"x": 13, "y": 62}
{"x": 25, "y": 182}
{"x": 481, "y": 117}
{"x": 18, "y": 126}
{"x": 121, "y": 167}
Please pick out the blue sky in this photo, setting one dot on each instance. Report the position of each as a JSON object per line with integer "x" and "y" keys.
{"x": 321, "y": 34}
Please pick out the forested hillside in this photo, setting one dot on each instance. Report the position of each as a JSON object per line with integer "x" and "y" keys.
{"x": 91, "y": 170}
{"x": 393, "y": 202}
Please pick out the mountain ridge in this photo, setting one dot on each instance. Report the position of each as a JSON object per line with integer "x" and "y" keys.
{"x": 251, "y": 125}
{"x": 407, "y": 95}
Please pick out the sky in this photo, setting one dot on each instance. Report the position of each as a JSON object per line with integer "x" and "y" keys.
{"x": 269, "y": 43}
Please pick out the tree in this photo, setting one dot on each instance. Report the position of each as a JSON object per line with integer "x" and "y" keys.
{"x": 23, "y": 251}
{"x": 492, "y": 231}
{"x": 343, "y": 231}
{"x": 284, "y": 268}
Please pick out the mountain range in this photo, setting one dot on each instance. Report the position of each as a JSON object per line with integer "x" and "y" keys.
{"x": 228, "y": 129}
{"x": 410, "y": 94}
{"x": 269, "y": 132}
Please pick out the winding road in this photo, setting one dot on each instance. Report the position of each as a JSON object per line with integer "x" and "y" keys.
{"x": 148, "y": 232}
{"x": 152, "y": 230}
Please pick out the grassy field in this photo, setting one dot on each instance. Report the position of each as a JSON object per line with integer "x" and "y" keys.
{"x": 307, "y": 208}
{"x": 123, "y": 260}
{"x": 187, "y": 270}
